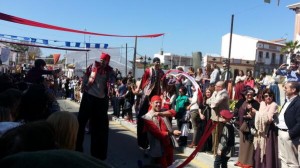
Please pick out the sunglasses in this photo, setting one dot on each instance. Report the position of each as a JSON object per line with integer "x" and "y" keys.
{"x": 266, "y": 96}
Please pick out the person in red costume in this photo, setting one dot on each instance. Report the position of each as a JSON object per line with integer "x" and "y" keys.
{"x": 94, "y": 106}
{"x": 160, "y": 133}
{"x": 152, "y": 83}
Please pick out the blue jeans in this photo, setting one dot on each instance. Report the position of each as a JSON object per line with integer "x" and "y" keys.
{"x": 189, "y": 90}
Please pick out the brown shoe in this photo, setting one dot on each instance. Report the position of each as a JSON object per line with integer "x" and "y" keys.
{"x": 192, "y": 145}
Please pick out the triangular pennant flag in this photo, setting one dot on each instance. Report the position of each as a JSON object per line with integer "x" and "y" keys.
{"x": 13, "y": 36}
{"x": 45, "y": 41}
{"x": 33, "y": 40}
{"x": 1, "y": 35}
{"x": 56, "y": 58}
{"x": 97, "y": 45}
{"x": 105, "y": 46}
{"x": 68, "y": 44}
{"x": 267, "y": 1}
{"x": 88, "y": 45}
{"x": 77, "y": 44}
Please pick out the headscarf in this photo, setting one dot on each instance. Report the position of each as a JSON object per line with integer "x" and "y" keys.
{"x": 155, "y": 98}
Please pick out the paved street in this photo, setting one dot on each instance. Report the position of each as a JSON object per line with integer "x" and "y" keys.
{"x": 122, "y": 150}
{"x": 123, "y": 139}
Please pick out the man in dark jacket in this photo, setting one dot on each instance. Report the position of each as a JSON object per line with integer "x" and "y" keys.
{"x": 289, "y": 127}
{"x": 34, "y": 75}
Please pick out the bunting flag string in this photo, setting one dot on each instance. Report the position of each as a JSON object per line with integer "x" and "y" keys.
{"x": 44, "y": 46}
{"x": 23, "y": 21}
{"x": 47, "y": 42}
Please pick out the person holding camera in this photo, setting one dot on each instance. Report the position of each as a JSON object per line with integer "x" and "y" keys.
{"x": 35, "y": 74}
{"x": 292, "y": 73}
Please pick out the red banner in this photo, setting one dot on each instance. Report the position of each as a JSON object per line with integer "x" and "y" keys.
{"x": 19, "y": 20}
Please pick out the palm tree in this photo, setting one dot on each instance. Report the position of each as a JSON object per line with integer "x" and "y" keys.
{"x": 290, "y": 48}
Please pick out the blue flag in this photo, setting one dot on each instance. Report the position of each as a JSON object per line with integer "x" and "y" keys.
{"x": 26, "y": 38}
{"x": 105, "y": 46}
{"x": 68, "y": 44}
{"x": 77, "y": 44}
{"x": 45, "y": 42}
{"x": 97, "y": 45}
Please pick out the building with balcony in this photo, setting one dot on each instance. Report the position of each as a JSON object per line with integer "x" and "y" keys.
{"x": 235, "y": 64}
{"x": 265, "y": 54}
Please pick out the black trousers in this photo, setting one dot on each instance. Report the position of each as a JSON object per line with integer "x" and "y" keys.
{"x": 221, "y": 160}
{"x": 95, "y": 110}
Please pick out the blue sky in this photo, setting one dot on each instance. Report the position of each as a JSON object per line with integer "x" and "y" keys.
{"x": 189, "y": 26}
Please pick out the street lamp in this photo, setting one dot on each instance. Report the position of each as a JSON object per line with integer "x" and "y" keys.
{"x": 143, "y": 60}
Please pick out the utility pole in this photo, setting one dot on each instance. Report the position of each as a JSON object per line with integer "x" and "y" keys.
{"x": 230, "y": 41}
{"x": 126, "y": 60}
{"x": 85, "y": 52}
{"x": 134, "y": 57}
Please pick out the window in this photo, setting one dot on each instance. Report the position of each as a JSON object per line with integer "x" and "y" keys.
{"x": 267, "y": 55}
{"x": 237, "y": 61}
{"x": 273, "y": 58}
{"x": 281, "y": 59}
{"x": 260, "y": 55}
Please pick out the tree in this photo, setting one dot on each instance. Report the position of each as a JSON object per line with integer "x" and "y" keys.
{"x": 34, "y": 52}
{"x": 21, "y": 49}
{"x": 290, "y": 48}
{"x": 49, "y": 59}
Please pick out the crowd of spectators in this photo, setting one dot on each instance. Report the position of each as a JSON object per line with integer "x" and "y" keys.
{"x": 31, "y": 119}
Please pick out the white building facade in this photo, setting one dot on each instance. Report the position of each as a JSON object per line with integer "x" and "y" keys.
{"x": 171, "y": 61}
{"x": 266, "y": 54}
{"x": 296, "y": 8}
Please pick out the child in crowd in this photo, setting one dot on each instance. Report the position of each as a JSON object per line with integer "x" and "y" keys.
{"x": 226, "y": 141}
{"x": 182, "y": 102}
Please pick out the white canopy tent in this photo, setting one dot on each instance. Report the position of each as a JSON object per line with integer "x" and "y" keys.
{"x": 80, "y": 58}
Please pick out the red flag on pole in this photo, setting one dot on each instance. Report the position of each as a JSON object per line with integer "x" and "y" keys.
{"x": 56, "y": 58}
